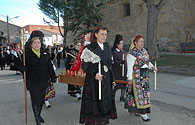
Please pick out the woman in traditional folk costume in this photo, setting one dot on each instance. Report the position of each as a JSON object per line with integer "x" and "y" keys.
{"x": 51, "y": 52}
{"x": 138, "y": 90}
{"x": 93, "y": 109}
{"x": 38, "y": 69}
{"x": 16, "y": 52}
{"x": 2, "y": 57}
{"x": 8, "y": 55}
{"x": 73, "y": 90}
{"x": 64, "y": 51}
{"x": 50, "y": 91}
{"x": 120, "y": 66}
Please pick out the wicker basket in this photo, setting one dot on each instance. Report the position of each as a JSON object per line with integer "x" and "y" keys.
{"x": 79, "y": 80}
{"x": 72, "y": 80}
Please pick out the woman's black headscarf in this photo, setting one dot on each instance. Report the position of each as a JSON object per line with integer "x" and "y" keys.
{"x": 35, "y": 33}
{"x": 117, "y": 40}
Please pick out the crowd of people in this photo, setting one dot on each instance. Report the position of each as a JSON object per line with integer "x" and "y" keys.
{"x": 103, "y": 66}
{"x": 7, "y": 56}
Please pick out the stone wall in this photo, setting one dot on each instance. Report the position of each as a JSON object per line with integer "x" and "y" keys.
{"x": 176, "y": 22}
{"x": 13, "y": 31}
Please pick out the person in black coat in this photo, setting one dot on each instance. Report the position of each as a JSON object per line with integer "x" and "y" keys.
{"x": 2, "y": 57}
{"x": 58, "y": 57}
{"x": 71, "y": 56}
{"x": 8, "y": 55}
{"x": 120, "y": 65}
{"x": 64, "y": 51}
{"x": 51, "y": 52}
{"x": 95, "y": 110}
{"x": 38, "y": 70}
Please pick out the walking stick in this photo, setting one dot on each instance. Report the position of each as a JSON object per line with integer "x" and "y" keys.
{"x": 22, "y": 40}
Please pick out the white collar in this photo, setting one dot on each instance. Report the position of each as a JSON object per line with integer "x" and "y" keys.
{"x": 101, "y": 45}
{"x": 118, "y": 50}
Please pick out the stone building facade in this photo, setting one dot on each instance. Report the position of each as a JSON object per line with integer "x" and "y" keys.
{"x": 176, "y": 22}
{"x": 14, "y": 32}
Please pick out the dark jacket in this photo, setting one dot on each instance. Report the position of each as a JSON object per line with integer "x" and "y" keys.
{"x": 92, "y": 109}
{"x": 117, "y": 66}
{"x": 64, "y": 51}
{"x": 51, "y": 53}
{"x": 71, "y": 56}
{"x": 38, "y": 70}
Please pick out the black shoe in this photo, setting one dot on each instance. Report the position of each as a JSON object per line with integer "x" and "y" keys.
{"x": 79, "y": 98}
{"x": 49, "y": 106}
{"x": 146, "y": 120}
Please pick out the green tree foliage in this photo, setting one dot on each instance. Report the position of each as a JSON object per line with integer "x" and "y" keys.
{"x": 56, "y": 10}
{"x": 86, "y": 15}
{"x": 79, "y": 16}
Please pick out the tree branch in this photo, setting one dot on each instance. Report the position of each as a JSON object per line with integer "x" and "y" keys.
{"x": 149, "y": 3}
{"x": 59, "y": 24}
{"x": 161, "y": 4}
{"x": 146, "y": 1}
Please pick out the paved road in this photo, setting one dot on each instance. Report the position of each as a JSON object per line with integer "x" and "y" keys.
{"x": 172, "y": 104}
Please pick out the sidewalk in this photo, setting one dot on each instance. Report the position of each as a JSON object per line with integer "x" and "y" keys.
{"x": 174, "y": 89}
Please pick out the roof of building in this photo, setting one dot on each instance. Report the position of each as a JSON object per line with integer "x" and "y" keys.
{"x": 48, "y": 33}
{"x": 53, "y": 29}
{"x": 1, "y": 21}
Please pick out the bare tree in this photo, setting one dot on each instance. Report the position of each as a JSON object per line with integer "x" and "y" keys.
{"x": 152, "y": 23}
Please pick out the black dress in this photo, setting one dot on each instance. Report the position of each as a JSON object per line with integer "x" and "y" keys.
{"x": 117, "y": 68}
{"x": 38, "y": 72}
{"x": 94, "y": 110}
{"x": 71, "y": 56}
{"x": 2, "y": 58}
{"x": 59, "y": 53}
{"x": 8, "y": 56}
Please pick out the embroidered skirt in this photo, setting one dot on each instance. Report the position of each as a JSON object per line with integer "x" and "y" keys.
{"x": 50, "y": 91}
{"x": 137, "y": 100}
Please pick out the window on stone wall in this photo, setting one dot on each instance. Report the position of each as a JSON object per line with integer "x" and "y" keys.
{"x": 140, "y": 9}
{"x": 126, "y": 7}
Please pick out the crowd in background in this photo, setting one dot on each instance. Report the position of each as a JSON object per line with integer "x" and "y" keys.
{"x": 56, "y": 53}
{"x": 7, "y": 54}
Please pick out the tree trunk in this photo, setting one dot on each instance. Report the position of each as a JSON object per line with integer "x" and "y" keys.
{"x": 59, "y": 27}
{"x": 87, "y": 21}
{"x": 152, "y": 24}
{"x": 65, "y": 25}
{"x": 88, "y": 25}
{"x": 65, "y": 31}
